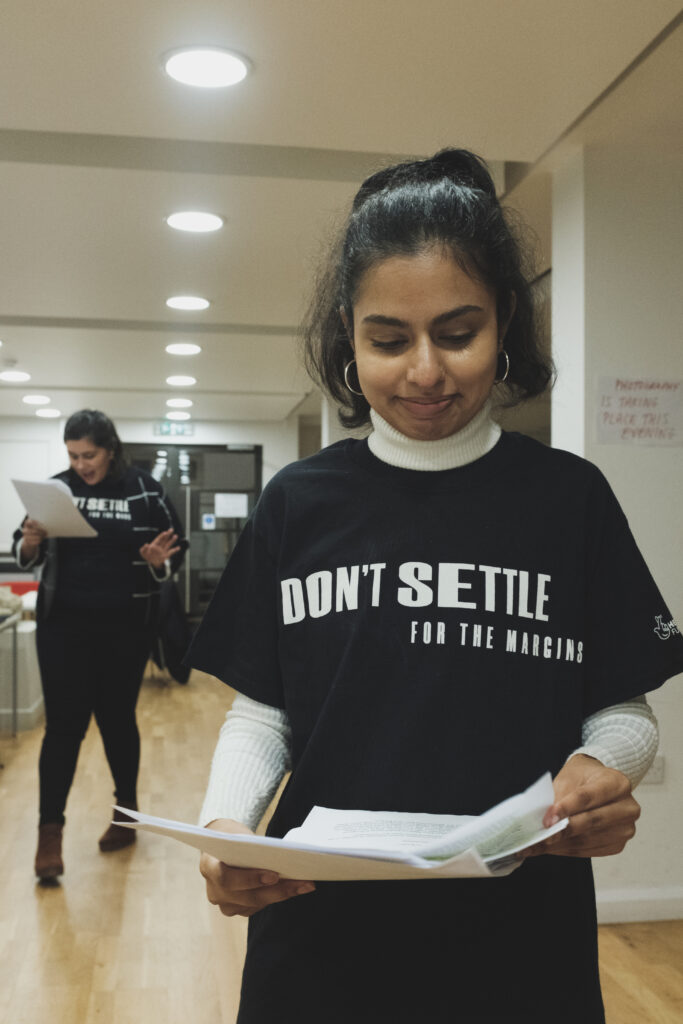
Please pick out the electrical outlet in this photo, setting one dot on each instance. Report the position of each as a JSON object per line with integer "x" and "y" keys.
{"x": 656, "y": 772}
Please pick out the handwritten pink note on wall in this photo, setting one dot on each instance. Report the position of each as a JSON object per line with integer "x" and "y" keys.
{"x": 639, "y": 411}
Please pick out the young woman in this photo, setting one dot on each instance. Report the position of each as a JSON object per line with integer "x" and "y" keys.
{"x": 428, "y": 620}
{"x": 96, "y": 613}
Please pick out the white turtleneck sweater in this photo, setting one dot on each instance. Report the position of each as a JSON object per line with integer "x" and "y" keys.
{"x": 253, "y": 752}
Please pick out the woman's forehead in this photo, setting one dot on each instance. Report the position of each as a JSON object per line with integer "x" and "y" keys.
{"x": 82, "y": 444}
{"x": 430, "y": 275}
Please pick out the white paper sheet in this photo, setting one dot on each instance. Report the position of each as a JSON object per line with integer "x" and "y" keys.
{"x": 363, "y": 845}
{"x": 393, "y": 832}
{"x": 298, "y": 860}
{"x": 50, "y": 503}
{"x": 509, "y": 826}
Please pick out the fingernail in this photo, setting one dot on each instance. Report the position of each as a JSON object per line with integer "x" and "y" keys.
{"x": 269, "y": 878}
{"x": 553, "y": 821}
{"x": 303, "y": 889}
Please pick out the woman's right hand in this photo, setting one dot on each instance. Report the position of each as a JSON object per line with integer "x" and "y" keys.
{"x": 33, "y": 534}
{"x": 244, "y": 891}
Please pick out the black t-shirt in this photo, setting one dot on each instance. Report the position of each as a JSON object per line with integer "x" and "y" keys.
{"x": 437, "y": 640}
{"x": 99, "y": 571}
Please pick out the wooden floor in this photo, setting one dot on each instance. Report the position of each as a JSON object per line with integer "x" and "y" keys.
{"x": 128, "y": 937}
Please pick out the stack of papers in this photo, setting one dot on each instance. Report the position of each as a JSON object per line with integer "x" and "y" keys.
{"x": 337, "y": 845}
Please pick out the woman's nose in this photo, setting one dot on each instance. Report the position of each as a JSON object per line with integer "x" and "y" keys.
{"x": 425, "y": 369}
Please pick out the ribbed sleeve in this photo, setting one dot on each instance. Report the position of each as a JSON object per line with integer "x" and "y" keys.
{"x": 624, "y": 736}
{"x": 251, "y": 757}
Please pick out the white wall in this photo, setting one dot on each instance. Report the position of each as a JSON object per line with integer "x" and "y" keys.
{"x": 567, "y": 305}
{"x": 30, "y": 449}
{"x": 616, "y": 277}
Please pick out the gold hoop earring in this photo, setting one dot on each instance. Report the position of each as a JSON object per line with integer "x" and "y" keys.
{"x": 346, "y": 378}
{"x": 500, "y": 380}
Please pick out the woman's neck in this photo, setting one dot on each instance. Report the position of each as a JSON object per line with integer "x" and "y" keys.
{"x": 474, "y": 440}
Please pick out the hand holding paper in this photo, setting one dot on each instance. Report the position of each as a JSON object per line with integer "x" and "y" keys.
{"x": 601, "y": 810}
{"x": 244, "y": 891}
{"x": 50, "y": 504}
{"x": 33, "y": 536}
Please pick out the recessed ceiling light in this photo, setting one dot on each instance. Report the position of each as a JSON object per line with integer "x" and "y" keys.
{"x": 36, "y": 399}
{"x": 162, "y": 451}
{"x": 194, "y": 220}
{"x": 187, "y": 302}
{"x": 177, "y": 415}
{"x": 179, "y": 403}
{"x": 14, "y": 376}
{"x": 181, "y": 382}
{"x": 208, "y": 67}
{"x": 48, "y": 414}
{"x": 183, "y": 348}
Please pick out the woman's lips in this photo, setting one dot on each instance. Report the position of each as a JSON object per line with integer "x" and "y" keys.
{"x": 426, "y": 407}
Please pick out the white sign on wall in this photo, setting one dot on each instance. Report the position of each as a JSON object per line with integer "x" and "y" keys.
{"x": 639, "y": 411}
{"x": 231, "y": 506}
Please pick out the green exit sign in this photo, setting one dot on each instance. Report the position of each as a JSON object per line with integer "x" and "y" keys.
{"x": 167, "y": 428}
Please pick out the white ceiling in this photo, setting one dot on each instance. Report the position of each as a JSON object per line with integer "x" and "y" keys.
{"x": 98, "y": 146}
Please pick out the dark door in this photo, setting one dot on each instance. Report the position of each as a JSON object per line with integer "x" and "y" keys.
{"x": 213, "y": 488}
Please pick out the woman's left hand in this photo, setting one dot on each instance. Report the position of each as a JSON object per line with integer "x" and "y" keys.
{"x": 162, "y": 547}
{"x": 601, "y": 810}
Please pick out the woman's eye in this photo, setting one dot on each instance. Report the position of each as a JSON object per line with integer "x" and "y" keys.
{"x": 457, "y": 339}
{"x": 392, "y": 343}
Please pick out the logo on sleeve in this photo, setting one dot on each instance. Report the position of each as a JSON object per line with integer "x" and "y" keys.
{"x": 665, "y": 629}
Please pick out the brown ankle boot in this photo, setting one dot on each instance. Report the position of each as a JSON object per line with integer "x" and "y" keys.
{"x": 49, "y": 862}
{"x": 116, "y": 837}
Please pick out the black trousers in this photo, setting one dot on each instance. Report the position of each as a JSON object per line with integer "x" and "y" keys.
{"x": 90, "y": 663}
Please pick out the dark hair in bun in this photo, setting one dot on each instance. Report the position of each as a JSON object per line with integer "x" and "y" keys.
{"x": 448, "y": 200}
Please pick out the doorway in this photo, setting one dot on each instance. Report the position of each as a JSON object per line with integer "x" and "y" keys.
{"x": 213, "y": 489}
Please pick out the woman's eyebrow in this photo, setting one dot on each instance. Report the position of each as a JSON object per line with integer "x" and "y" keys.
{"x": 392, "y": 321}
{"x": 458, "y": 311}
{"x": 389, "y": 321}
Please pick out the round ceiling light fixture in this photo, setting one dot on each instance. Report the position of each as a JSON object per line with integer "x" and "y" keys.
{"x": 183, "y": 348}
{"x": 187, "y": 302}
{"x": 179, "y": 403}
{"x": 195, "y": 220}
{"x": 36, "y": 399}
{"x": 207, "y": 67}
{"x": 14, "y": 376}
{"x": 48, "y": 414}
{"x": 181, "y": 382}
{"x": 177, "y": 415}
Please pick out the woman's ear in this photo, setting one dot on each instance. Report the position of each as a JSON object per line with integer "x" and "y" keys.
{"x": 502, "y": 327}
{"x": 347, "y": 326}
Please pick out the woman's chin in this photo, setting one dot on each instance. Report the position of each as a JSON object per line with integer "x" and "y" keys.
{"x": 435, "y": 428}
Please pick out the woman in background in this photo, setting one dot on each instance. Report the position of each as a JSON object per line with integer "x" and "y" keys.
{"x": 96, "y": 613}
